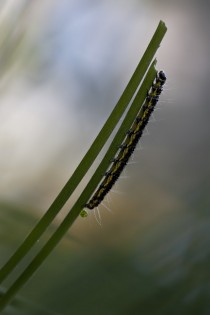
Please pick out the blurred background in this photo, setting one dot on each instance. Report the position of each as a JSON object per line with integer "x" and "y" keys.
{"x": 63, "y": 67}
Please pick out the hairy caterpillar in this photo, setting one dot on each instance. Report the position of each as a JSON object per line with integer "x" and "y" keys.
{"x": 130, "y": 142}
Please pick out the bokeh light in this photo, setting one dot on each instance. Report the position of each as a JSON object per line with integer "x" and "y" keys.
{"x": 63, "y": 66}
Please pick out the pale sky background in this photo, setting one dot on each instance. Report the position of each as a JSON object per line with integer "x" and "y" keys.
{"x": 64, "y": 66}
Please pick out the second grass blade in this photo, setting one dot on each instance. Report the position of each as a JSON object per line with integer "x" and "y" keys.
{"x": 75, "y": 211}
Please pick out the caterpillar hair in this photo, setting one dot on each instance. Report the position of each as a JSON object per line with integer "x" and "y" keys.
{"x": 130, "y": 142}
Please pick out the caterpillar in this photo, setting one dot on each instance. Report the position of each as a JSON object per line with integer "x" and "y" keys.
{"x": 129, "y": 144}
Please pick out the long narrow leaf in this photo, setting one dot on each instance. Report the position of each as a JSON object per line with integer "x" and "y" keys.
{"x": 75, "y": 211}
{"x": 90, "y": 156}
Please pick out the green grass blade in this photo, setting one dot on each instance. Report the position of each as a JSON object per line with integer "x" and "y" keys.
{"x": 75, "y": 211}
{"x": 90, "y": 156}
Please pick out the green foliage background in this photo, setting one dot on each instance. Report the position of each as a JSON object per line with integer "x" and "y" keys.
{"x": 151, "y": 254}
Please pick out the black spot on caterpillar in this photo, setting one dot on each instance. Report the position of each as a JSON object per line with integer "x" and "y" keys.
{"x": 129, "y": 144}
